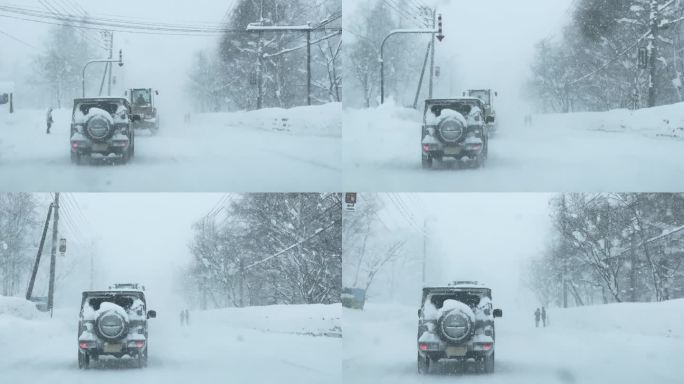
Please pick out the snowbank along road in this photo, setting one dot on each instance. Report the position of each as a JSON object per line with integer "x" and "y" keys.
{"x": 610, "y": 151}
{"x": 266, "y": 150}
{"x": 280, "y": 344}
{"x": 624, "y": 343}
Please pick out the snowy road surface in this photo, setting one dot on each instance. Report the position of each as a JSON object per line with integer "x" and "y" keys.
{"x": 380, "y": 347}
{"x": 613, "y": 151}
{"x": 213, "y": 153}
{"x": 211, "y": 350}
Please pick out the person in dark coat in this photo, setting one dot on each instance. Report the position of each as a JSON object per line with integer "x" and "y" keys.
{"x": 537, "y": 315}
{"x": 543, "y": 316}
{"x": 187, "y": 317}
{"x": 49, "y": 120}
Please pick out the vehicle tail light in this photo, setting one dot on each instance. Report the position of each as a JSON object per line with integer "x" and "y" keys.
{"x": 137, "y": 343}
{"x": 423, "y": 347}
{"x": 83, "y": 345}
{"x": 487, "y": 346}
{"x": 426, "y": 148}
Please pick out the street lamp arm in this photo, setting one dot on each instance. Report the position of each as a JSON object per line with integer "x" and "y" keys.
{"x": 95, "y": 61}
{"x": 382, "y": 53}
{"x": 400, "y": 31}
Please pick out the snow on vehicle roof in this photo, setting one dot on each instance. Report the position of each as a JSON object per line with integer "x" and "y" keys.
{"x": 459, "y": 284}
{"x": 103, "y": 98}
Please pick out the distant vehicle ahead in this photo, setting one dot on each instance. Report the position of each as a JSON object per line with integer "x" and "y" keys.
{"x": 113, "y": 323}
{"x": 487, "y": 97}
{"x": 454, "y": 128}
{"x": 456, "y": 322}
{"x": 102, "y": 125}
{"x": 143, "y": 103}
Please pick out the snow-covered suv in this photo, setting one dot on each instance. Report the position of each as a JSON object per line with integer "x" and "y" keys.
{"x": 102, "y": 126}
{"x": 454, "y": 128}
{"x": 457, "y": 322}
{"x": 113, "y": 323}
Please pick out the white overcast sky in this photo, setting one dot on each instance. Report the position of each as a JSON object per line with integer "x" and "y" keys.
{"x": 486, "y": 237}
{"x": 143, "y": 237}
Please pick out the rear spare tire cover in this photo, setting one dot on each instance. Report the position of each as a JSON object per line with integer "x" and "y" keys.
{"x": 455, "y": 326}
{"x": 451, "y": 130}
{"x": 111, "y": 325}
{"x": 98, "y": 128}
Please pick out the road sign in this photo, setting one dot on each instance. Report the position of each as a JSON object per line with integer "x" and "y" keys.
{"x": 350, "y": 201}
{"x": 62, "y": 246}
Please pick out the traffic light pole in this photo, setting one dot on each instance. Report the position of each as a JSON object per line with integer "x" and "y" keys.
{"x": 439, "y": 36}
{"x": 432, "y": 54}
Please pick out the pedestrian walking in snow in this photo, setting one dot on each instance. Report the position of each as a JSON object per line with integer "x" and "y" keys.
{"x": 182, "y": 317}
{"x": 543, "y": 316}
{"x": 49, "y": 120}
{"x": 537, "y": 314}
{"x": 187, "y": 317}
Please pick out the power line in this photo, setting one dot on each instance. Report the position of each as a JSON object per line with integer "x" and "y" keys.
{"x": 19, "y": 40}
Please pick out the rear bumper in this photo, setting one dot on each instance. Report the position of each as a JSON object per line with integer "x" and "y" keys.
{"x": 116, "y": 147}
{"x": 470, "y": 147}
{"x": 460, "y": 352}
{"x": 120, "y": 349}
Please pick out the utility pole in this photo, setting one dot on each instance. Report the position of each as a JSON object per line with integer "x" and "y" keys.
{"x": 308, "y": 67}
{"x": 260, "y": 28}
{"x": 422, "y": 74}
{"x": 432, "y": 52}
{"x": 260, "y": 71}
{"x": 652, "y": 52}
{"x": 111, "y": 56}
{"x": 29, "y": 291}
{"x": 53, "y": 253}
{"x": 424, "y": 279}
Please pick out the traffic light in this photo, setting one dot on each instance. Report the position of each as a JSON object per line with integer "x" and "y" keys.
{"x": 440, "y": 35}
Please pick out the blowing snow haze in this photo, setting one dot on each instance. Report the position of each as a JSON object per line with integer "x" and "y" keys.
{"x": 158, "y": 61}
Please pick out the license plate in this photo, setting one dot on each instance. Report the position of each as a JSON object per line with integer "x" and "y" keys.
{"x": 99, "y": 147}
{"x": 456, "y": 351}
{"x": 113, "y": 348}
{"x": 452, "y": 150}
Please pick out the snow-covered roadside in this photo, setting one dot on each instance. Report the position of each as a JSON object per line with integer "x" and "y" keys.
{"x": 598, "y": 344}
{"x": 570, "y": 152}
{"x": 323, "y": 120}
{"x": 241, "y": 345}
{"x": 239, "y": 152}
{"x": 313, "y": 320}
{"x": 662, "y": 121}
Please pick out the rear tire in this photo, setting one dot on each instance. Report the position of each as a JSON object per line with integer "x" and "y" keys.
{"x": 426, "y": 162}
{"x": 488, "y": 366}
{"x": 83, "y": 360}
{"x": 75, "y": 159}
{"x": 423, "y": 365}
